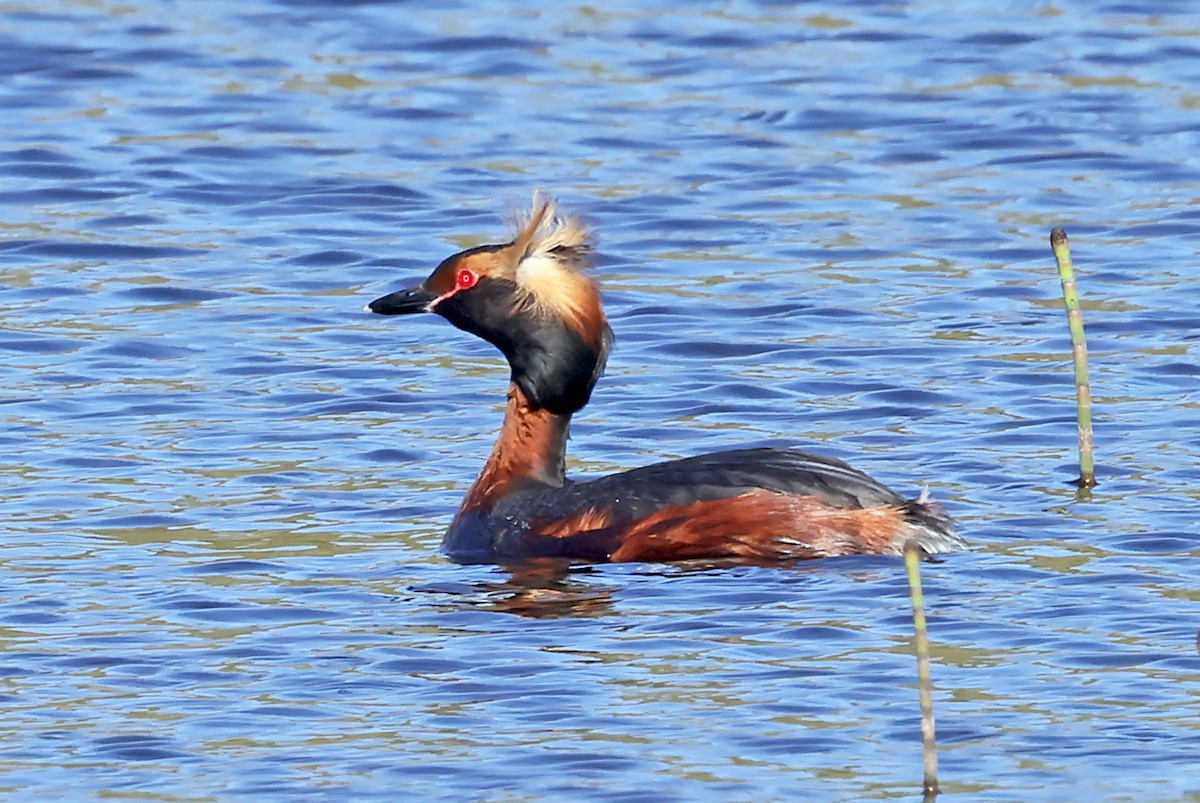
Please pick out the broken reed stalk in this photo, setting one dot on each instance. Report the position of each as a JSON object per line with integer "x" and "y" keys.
{"x": 1083, "y": 389}
{"x": 912, "y": 562}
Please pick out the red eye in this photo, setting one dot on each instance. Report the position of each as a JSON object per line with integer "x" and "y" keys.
{"x": 466, "y": 279}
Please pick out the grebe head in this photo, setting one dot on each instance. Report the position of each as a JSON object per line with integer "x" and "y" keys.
{"x": 530, "y": 298}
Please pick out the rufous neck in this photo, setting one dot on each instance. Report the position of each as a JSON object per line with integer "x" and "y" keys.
{"x": 530, "y": 450}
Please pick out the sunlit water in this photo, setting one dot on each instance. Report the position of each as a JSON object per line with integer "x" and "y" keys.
{"x": 822, "y": 225}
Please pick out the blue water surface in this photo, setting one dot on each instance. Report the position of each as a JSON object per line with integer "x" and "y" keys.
{"x": 821, "y": 224}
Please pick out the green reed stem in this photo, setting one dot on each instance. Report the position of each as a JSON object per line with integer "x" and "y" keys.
{"x": 912, "y": 562}
{"x": 1083, "y": 388}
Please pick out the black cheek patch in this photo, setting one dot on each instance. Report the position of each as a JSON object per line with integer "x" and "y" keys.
{"x": 549, "y": 361}
{"x": 556, "y": 372}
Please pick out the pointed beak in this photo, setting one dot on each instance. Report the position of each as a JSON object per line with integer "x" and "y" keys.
{"x": 403, "y": 302}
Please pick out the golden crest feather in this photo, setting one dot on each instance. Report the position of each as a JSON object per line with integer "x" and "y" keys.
{"x": 544, "y": 232}
{"x": 548, "y": 254}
